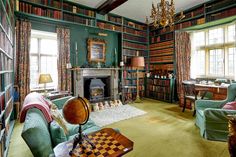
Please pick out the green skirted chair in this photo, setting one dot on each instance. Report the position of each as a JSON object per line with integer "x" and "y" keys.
{"x": 211, "y": 118}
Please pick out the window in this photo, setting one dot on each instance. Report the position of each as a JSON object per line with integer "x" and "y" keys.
{"x": 213, "y": 52}
{"x": 216, "y": 62}
{"x": 43, "y": 58}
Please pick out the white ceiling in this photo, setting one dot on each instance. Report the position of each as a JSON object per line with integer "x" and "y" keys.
{"x": 139, "y": 9}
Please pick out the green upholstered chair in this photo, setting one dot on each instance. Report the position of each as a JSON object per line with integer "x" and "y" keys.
{"x": 212, "y": 119}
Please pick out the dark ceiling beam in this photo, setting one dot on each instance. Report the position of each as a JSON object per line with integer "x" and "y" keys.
{"x": 109, "y": 5}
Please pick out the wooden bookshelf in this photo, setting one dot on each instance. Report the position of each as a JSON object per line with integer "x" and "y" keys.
{"x": 161, "y": 88}
{"x": 6, "y": 73}
{"x": 134, "y": 43}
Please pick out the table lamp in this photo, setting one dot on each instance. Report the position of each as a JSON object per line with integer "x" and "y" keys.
{"x": 45, "y": 78}
{"x": 137, "y": 62}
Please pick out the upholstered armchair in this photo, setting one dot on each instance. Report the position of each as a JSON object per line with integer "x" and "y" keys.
{"x": 212, "y": 119}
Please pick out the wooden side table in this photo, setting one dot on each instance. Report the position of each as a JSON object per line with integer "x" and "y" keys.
{"x": 108, "y": 143}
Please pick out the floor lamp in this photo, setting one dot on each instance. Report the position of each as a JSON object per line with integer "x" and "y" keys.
{"x": 137, "y": 62}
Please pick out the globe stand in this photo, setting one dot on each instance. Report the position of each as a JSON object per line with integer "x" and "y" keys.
{"x": 76, "y": 111}
{"x": 79, "y": 139}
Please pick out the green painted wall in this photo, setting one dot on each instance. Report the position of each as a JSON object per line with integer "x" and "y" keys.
{"x": 79, "y": 35}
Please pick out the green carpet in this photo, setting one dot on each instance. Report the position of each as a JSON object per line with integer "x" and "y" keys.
{"x": 163, "y": 132}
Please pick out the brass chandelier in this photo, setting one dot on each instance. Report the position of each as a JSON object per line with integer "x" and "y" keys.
{"x": 163, "y": 14}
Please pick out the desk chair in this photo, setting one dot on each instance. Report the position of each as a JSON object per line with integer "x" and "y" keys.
{"x": 190, "y": 93}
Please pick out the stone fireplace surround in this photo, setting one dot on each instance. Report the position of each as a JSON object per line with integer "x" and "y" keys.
{"x": 81, "y": 73}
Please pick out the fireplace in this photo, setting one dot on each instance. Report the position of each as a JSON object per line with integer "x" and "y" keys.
{"x": 96, "y": 90}
{"x": 109, "y": 76}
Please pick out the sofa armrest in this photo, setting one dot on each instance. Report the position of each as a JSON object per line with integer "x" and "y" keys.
{"x": 61, "y": 101}
{"x": 36, "y": 134}
{"x": 218, "y": 115}
{"x": 209, "y": 103}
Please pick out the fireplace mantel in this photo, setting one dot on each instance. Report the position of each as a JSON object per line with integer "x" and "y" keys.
{"x": 80, "y": 73}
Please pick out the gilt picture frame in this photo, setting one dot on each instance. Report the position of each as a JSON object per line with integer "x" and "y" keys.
{"x": 96, "y": 50}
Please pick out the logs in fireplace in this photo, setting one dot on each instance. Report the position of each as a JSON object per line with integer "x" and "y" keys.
{"x": 96, "y": 90}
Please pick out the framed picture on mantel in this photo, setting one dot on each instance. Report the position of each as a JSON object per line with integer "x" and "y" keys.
{"x": 96, "y": 50}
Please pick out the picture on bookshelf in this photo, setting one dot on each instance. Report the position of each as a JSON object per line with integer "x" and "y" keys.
{"x": 96, "y": 50}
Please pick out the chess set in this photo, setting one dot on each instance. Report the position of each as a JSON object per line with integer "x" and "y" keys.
{"x": 105, "y": 144}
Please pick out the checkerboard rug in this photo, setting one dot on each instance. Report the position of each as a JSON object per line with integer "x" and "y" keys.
{"x": 112, "y": 115}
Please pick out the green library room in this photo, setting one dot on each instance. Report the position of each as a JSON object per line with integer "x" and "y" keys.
{"x": 111, "y": 78}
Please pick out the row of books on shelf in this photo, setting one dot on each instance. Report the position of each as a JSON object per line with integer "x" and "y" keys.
{"x": 167, "y": 51}
{"x": 5, "y": 44}
{"x": 135, "y": 25}
{"x": 78, "y": 10}
{"x": 114, "y": 19}
{"x": 159, "y": 31}
{"x": 77, "y": 19}
{"x": 163, "y": 37}
{"x": 6, "y": 80}
{"x": 133, "y": 82}
{"x": 159, "y": 82}
{"x": 161, "y": 89}
{"x": 169, "y": 58}
{"x": 134, "y": 45}
{"x": 5, "y": 22}
{"x": 135, "y": 38}
{"x": 9, "y": 5}
{"x": 220, "y": 15}
{"x": 159, "y": 96}
{"x": 51, "y": 3}
{"x": 135, "y": 32}
{"x": 168, "y": 67}
{"x": 166, "y": 44}
{"x": 129, "y": 75}
{"x": 6, "y": 63}
{"x": 104, "y": 25}
{"x": 190, "y": 23}
{"x": 218, "y": 5}
{"x": 194, "y": 13}
{"x": 30, "y": 9}
{"x": 130, "y": 52}
{"x": 129, "y": 96}
{"x": 133, "y": 90}
{"x": 5, "y": 98}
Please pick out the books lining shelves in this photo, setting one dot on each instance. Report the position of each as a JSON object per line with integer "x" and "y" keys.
{"x": 6, "y": 73}
{"x": 161, "y": 89}
{"x": 106, "y": 25}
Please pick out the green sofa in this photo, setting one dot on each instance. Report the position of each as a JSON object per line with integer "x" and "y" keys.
{"x": 42, "y": 137}
{"x": 212, "y": 119}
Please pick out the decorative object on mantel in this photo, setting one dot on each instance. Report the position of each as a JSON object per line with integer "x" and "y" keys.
{"x": 106, "y": 105}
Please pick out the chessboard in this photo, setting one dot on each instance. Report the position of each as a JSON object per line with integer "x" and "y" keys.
{"x": 108, "y": 143}
{"x": 105, "y": 144}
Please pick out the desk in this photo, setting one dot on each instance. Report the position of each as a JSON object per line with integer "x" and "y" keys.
{"x": 219, "y": 92}
{"x": 107, "y": 141}
{"x": 57, "y": 94}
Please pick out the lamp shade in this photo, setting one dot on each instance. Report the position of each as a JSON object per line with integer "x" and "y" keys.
{"x": 45, "y": 78}
{"x": 137, "y": 61}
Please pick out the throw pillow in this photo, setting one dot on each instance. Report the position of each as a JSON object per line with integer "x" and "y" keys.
{"x": 57, "y": 133}
{"x": 56, "y": 115}
{"x": 230, "y": 105}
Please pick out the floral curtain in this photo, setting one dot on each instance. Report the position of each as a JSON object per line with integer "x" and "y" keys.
{"x": 183, "y": 57}
{"x": 64, "y": 76}
{"x": 22, "y": 58}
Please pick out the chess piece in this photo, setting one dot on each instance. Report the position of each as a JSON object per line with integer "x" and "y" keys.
{"x": 106, "y": 105}
{"x": 95, "y": 107}
{"x": 119, "y": 102}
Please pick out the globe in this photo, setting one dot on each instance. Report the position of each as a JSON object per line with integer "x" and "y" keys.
{"x": 76, "y": 110}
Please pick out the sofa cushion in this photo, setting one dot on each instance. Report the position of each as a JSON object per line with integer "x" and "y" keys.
{"x": 230, "y": 105}
{"x": 57, "y": 133}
